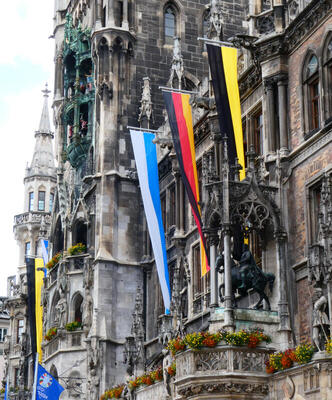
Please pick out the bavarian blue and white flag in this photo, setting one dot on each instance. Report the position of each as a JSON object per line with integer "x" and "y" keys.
{"x": 47, "y": 387}
{"x": 44, "y": 246}
{"x": 147, "y": 169}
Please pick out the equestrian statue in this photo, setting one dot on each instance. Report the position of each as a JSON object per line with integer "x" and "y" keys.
{"x": 247, "y": 275}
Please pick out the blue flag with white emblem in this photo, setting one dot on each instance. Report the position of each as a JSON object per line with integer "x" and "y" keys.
{"x": 47, "y": 387}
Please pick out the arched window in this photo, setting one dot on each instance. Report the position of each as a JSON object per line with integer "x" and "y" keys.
{"x": 327, "y": 69}
{"x": 169, "y": 24}
{"x": 54, "y": 372}
{"x": 80, "y": 232}
{"x": 53, "y": 312}
{"x": 311, "y": 94}
{"x": 77, "y": 308}
{"x": 58, "y": 237}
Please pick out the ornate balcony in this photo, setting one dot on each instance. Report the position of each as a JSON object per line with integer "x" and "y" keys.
{"x": 32, "y": 218}
{"x": 224, "y": 372}
{"x": 63, "y": 341}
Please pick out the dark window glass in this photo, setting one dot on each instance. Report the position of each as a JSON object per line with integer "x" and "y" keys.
{"x": 163, "y": 210}
{"x": 169, "y": 20}
{"x": 197, "y": 270}
{"x": 312, "y": 66}
{"x": 315, "y": 195}
{"x": 172, "y": 211}
{"x": 41, "y": 201}
{"x": 31, "y": 196}
{"x": 258, "y": 133}
{"x": 314, "y": 104}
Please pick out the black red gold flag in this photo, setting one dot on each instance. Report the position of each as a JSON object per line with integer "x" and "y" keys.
{"x": 180, "y": 120}
{"x": 35, "y": 275}
{"x": 223, "y": 66}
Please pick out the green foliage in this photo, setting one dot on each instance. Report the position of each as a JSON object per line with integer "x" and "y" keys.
{"x": 73, "y": 326}
{"x": 78, "y": 248}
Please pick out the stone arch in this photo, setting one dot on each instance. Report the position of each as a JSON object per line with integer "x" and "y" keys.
{"x": 53, "y": 318}
{"x": 76, "y": 309}
{"x": 54, "y": 372}
{"x": 58, "y": 243}
{"x": 170, "y": 8}
{"x": 327, "y": 75}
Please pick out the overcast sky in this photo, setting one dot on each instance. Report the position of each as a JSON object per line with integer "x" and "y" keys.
{"x": 26, "y": 64}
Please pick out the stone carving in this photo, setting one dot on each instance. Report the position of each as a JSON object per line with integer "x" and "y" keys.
{"x": 230, "y": 387}
{"x": 167, "y": 362}
{"x": 177, "y": 68}
{"x": 146, "y": 103}
{"x": 87, "y": 309}
{"x": 61, "y": 309}
{"x": 247, "y": 276}
{"x": 211, "y": 361}
{"x": 293, "y": 10}
{"x": 265, "y": 24}
{"x": 320, "y": 319}
{"x": 289, "y": 389}
{"x": 62, "y": 283}
{"x": 216, "y": 20}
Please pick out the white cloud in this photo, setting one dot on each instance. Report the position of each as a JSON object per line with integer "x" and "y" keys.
{"x": 24, "y": 29}
{"x": 24, "y": 38}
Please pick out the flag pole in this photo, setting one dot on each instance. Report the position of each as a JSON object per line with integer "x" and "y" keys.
{"x": 34, "y": 393}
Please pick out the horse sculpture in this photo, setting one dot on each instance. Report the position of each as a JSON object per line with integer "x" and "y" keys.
{"x": 247, "y": 276}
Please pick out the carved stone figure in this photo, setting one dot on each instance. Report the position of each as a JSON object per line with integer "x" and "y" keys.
{"x": 94, "y": 384}
{"x": 61, "y": 308}
{"x": 177, "y": 63}
{"x": 87, "y": 309}
{"x": 167, "y": 362}
{"x": 216, "y": 20}
{"x": 320, "y": 318}
{"x": 146, "y": 103}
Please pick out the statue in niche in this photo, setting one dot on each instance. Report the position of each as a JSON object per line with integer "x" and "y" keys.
{"x": 87, "y": 309}
{"x": 320, "y": 321}
{"x": 94, "y": 384}
{"x": 247, "y": 275}
{"x": 167, "y": 362}
{"x": 177, "y": 63}
{"x": 61, "y": 308}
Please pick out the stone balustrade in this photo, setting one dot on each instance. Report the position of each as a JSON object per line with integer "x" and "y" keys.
{"x": 32, "y": 218}
{"x": 222, "y": 371}
{"x": 63, "y": 341}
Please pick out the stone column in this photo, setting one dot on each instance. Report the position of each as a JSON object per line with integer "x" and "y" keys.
{"x": 58, "y": 77}
{"x": 269, "y": 86}
{"x": 284, "y": 326}
{"x": 111, "y": 21}
{"x": 125, "y": 22}
{"x": 99, "y": 13}
{"x": 213, "y": 241}
{"x": 282, "y": 102}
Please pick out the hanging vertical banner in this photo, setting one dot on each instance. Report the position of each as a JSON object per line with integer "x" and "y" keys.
{"x": 35, "y": 275}
{"x": 180, "y": 120}
{"x": 147, "y": 168}
{"x": 223, "y": 67}
{"x": 44, "y": 246}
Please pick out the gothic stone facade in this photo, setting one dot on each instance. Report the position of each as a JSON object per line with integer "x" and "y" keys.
{"x": 106, "y": 52}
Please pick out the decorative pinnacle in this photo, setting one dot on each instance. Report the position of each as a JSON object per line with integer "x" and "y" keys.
{"x": 46, "y": 91}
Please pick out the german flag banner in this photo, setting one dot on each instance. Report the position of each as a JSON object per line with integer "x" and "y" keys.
{"x": 223, "y": 66}
{"x": 35, "y": 275}
{"x": 180, "y": 120}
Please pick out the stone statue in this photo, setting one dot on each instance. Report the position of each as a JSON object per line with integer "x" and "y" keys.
{"x": 94, "y": 384}
{"x": 62, "y": 279}
{"x": 167, "y": 362}
{"x": 177, "y": 63}
{"x": 216, "y": 20}
{"x": 87, "y": 309}
{"x": 146, "y": 103}
{"x": 127, "y": 393}
{"x": 61, "y": 308}
{"x": 320, "y": 318}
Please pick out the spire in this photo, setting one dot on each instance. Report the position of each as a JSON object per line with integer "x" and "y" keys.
{"x": 43, "y": 158}
{"x": 44, "y": 125}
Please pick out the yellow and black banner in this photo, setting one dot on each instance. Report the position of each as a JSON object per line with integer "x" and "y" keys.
{"x": 35, "y": 275}
{"x": 223, "y": 66}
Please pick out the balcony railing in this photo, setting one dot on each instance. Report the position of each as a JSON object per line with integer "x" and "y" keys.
{"x": 239, "y": 370}
{"x": 32, "y": 217}
{"x": 63, "y": 341}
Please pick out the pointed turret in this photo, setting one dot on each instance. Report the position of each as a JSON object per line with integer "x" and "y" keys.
{"x": 43, "y": 158}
